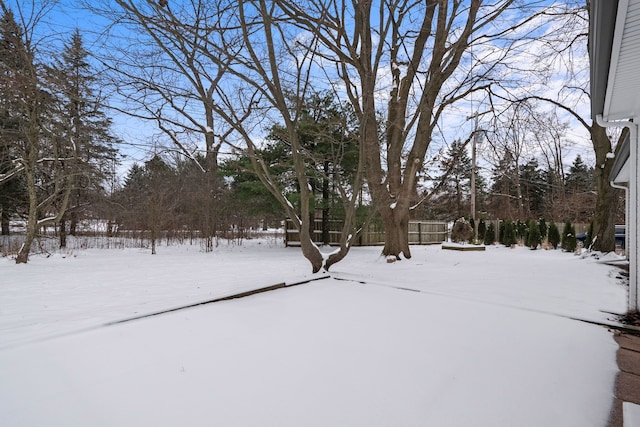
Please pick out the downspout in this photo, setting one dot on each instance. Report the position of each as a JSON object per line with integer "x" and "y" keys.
{"x": 626, "y": 210}
{"x": 631, "y": 208}
{"x": 632, "y": 130}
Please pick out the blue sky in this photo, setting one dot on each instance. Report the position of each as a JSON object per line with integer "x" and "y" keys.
{"x": 140, "y": 138}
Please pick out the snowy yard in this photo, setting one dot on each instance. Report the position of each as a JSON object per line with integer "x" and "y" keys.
{"x": 445, "y": 339}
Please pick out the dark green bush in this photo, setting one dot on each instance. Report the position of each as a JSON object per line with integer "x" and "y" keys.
{"x": 533, "y": 237}
{"x": 490, "y": 234}
{"x": 542, "y": 225}
{"x": 569, "y": 241}
{"x": 509, "y": 234}
{"x": 482, "y": 229}
{"x": 553, "y": 235}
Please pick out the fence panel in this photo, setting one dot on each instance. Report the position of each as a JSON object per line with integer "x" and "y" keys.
{"x": 420, "y": 233}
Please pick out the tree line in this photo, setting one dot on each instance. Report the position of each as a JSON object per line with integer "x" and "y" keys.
{"x": 321, "y": 109}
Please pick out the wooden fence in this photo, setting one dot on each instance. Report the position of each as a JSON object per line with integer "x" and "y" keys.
{"x": 420, "y": 233}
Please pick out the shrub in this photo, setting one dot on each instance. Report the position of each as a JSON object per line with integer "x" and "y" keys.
{"x": 553, "y": 235}
{"x": 462, "y": 231}
{"x": 509, "y": 234}
{"x": 569, "y": 242}
{"x": 589, "y": 239}
{"x": 542, "y": 225}
{"x": 522, "y": 230}
{"x": 533, "y": 238}
{"x": 482, "y": 229}
{"x": 490, "y": 234}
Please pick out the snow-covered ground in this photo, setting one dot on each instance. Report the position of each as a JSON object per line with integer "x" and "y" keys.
{"x": 447, "y": 338}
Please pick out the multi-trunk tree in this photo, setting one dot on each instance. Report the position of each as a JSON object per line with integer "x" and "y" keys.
{"x": 401, "y": 65}
{"x": 243, "y": 66}
{"x": 250, "y": 64}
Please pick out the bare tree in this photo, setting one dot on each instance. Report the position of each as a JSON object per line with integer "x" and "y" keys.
{"x": 563, "y": 57}
{"x": 400, "y": 66}
{"x": 402, "y": 61}
{"x": 235, "y": 64}
{"x": 511, "y": 140}
{"x": 162, "y": 77}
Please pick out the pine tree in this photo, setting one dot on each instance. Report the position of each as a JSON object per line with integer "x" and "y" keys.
{"x": 482, "y": 229}
{"x": 26, "y": 128}
{"x": 553, "y": 235}
{"x": 509, "y": 234}
{"x": 542, "y": 226}
{"x": 83, "y": 122}
{"x": 569, "y": 242}
{"x": 12, "y": 184}
{"x": 580, "y": 178}
{"x": 453, "y": 196}
{"x": 503, "y": 189}
{"x": 522, "y": 230}
{"x": 533, "y": 188}
{"x": 534, "y": 238}
{"x": 490, "y": 234}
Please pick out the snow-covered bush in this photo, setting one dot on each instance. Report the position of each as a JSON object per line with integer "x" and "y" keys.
{"x": 462, "y": 232}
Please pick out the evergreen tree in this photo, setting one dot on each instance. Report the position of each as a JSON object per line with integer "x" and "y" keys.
{"x": 503, "y": 189}
{"x": 580, "y": 178}
{"x": 246, "y": 189}
{"x": 509, "y": 234}
{"x": 84, "y": 123}
{"x": 326, "y": 130}
{"x": 149, "y": 198}
{"x": 581, "y": 196}
{"x": 12, "y": 188}
{"x": 569, "y": 242}
{"x": 490, "y": 234}
{"x": 533, "y": 188}
{"x": 28, "y": 128}
{"x": 542, "y": 226}
{"x": 534, "y": 238}
{"x": 452, "y": 199}
{"x": 553, "y": 235}
{"x": 522, "y": 230}
{"x": 482, "y": 229}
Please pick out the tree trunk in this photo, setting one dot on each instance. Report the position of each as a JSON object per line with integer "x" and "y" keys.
{"x": 607, "y": 199}
{"x": 153, "y": 241}
{"x": 325, "y": 204}
{"x": 32, "y": 216}
{"x": 396, "y": 229}
{"x": 32, "y": 222}
{"x": 63, "y": 234}
{"x": 4, "y": 220}
{"x": 73, "y": 226}
{"x": 309, "y": 249}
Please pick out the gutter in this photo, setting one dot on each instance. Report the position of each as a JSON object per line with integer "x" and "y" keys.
{"x": 618, "y": 123}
